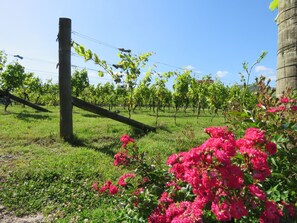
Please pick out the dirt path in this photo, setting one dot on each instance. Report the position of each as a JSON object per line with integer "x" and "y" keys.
{"x": 6, "y": 217}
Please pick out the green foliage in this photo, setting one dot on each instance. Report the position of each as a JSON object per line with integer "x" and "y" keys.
{"x": 12, "y": 77}
{"x": 242, "y": 98}
{"x": 3, "y": 60}
{"x": 273, "y": 5}
{"x": 79, "y": 81}
{"x": 181, "y": 89}
{"x": 130, "y": 69}
{"x": 88, "y": 55}
{"x": 216, "y": 97}
{"x": 130, "y": 66}
{"x": 160, "y": 95}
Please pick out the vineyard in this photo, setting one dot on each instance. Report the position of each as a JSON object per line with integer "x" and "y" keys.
{"x": 129, "y": 92}
{"x": 175, "y": 169}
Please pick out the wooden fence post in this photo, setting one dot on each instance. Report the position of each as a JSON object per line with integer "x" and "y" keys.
{"x": 66, "y": 125}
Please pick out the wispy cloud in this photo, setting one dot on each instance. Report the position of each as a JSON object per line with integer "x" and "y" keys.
{"x": 189, "y": 67}
{"x": 272, "y": 78}
{"x": 266, "y": 71}
{"x": 220, "y": 73}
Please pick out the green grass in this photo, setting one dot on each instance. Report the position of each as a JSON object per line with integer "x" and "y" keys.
{"x": 40, "y": 172}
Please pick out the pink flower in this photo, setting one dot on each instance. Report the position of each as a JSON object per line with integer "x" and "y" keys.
{"x": 199, "y": 202}
{"x": 262, "y": 174}
{"x": 222, "y": 156}
{"x": 272, "y": 110}
{"x": 178, "y": 170}
{"x": 108, "y": 186}
{"x": 221, "y": 211}
{"x": 293, "y": 108}
{"x": 193, "y": 177}
{"x": 219, "y": 132}
{"x": 157, "y": 216}
{"x": 174, "y": 158}
{"x": 271, "y": 213}
{"x": 287, "y": 100}
{"x": 259, "y": 160}
{"x": 291, "y": 209}
{"x": 245, "y": 146}
{"x": 284, "y": 100}
{"x": 261, "y": 106}
{"x": 121, "y": 158}
{"x": 122, "y": 179}
{"x": 209, "y": 180}
{"x": 138, "y": 191}
{"x": 113, "y": 189}
{"x": 105, "y": 187}
{"x": 176, "y": 209}
{"x": 271, "y": 148}
{"x": 165, "y": 198}
{"x": 232, "y": 176}
{"x": 173, "y": 184}
{"x": 238, "y": 209}
{"x": 125, "y": 139}
{"x": 95, "y": 186}
{"x": 255, "y": 135}
{"x": 256, "y": 191}
{"x": 277, "y": 109}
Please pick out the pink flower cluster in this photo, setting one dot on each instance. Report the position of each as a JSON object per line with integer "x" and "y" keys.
{"x": 125, "y": 139}
{"x": 285, "y": 104}
{"x": 110, "y": 188}
{"x": 216, "y": 172}
{"x": 122, "y": 180}
{"x": 107, "y": 187}
{"x": 122, "y": 157}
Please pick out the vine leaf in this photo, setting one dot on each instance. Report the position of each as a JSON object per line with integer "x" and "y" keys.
{"x": 88, "y": 55}
{"x": 273, "y": 5}
{"x": 100, "y": 73}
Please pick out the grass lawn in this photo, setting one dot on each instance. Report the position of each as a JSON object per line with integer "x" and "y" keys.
{"x": 39, "y": 172}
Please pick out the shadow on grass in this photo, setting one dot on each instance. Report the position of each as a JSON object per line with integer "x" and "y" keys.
{"x": 91, "y": 116}
{"x": 29, "y": 117}
{"x": 163, "y": 128}
{"x": 185, "y": 115}
{"x": 104, "y": 145}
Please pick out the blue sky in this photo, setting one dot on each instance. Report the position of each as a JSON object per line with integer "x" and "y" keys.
{"x": 210, "y": 36}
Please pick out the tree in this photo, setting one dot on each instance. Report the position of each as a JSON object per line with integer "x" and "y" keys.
{"x": 198, "y": 93}
{"x": 287, "y": 53}
{"x": 34, "y": 86}
{"x": 181, "y": 94}
{"x": 2, "y": 61}
{"x": 12, "y": 77}
{"x": 79, "y": 81}
{"x": 160, "y": 91}
{"x": 142, "y": 91}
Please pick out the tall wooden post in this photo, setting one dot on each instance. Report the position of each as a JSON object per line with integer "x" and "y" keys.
{"x": 66, "y": 125}
{"x": 287, "y": 46}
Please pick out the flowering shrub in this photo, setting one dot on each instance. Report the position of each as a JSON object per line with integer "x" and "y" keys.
{"x": 277, "y": 116}
{"x": 221, "y": 180}
{"x": 138, "y": 190}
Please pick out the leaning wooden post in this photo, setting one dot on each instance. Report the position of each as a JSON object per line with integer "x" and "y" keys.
{"x": 66, "y": 125}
